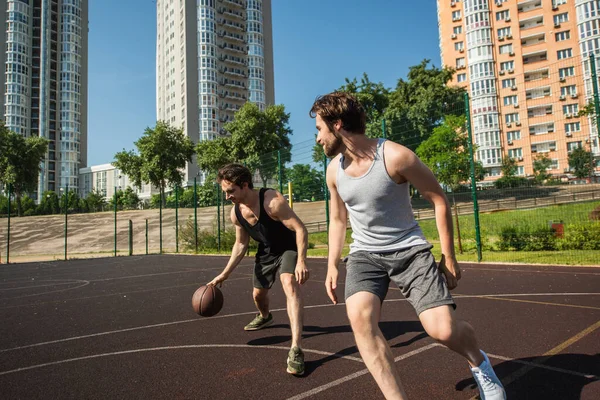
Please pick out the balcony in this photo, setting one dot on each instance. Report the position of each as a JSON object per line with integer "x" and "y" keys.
{"x": 539, "y": 111}
{"x": 529, "y": 5}
{"x": 535, "y": 57}
{"x": 541, "y": 129}
{"x": 534, "y": 39}
{"x": 537, "y": 93}
{"x": 531, "y": 23}
{"x": 535, "y": 75}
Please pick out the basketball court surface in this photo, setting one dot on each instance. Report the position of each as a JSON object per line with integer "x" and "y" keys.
{"x": 124, "y": 328}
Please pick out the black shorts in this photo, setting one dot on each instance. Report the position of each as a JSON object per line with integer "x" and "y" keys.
{"x": 265, "y": 273}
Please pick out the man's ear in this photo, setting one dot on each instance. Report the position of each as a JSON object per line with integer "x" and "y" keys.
{"x": 337, "y": 125}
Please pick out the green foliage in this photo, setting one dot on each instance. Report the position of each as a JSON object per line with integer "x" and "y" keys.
{"x": 527, "y": 238}
{"x": 20, "y": 160}
{"x": 126, "y": 199}
{"x": 207, "y": 239}
{"x": 511, "y": 182}
{"x": 49, "y": 203}
{"x": 307, "y": 182}
{"x": 95, "y": 201}
{"x": 255, "y": 138}
{"x": 582, "y": 162}
{"x": 581, "y": 236}
{"x": 540, "y": 167}
{"x": 446, "y": 153}
{"x": 163, "y": 153}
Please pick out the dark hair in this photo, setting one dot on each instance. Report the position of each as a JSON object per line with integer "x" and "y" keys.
{"x": 340, "y": 106}
{"x": 236, "y": 174}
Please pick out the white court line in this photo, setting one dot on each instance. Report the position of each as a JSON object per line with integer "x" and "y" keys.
{"x": 83, "y": 283}
{"x": 149, "y": 327}
{"x": 357, "y": 374}
{"x": 41, "y": 286}
{"x": 105, "y": 295}
{"x": 555, "y": 369}
{"x": 191, "y": 346}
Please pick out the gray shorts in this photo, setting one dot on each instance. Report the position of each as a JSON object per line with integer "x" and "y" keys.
{"x": 265, "y": 274}
{"x": 414, "y": 271}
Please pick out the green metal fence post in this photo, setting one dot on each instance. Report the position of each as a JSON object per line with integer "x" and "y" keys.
{"x": 326, "y": 190}
{"x": 8, "y": 232}
{"x": 66, "y": 214}
{"x": 115, "y": 201}
{"x": 195, "y": 215}
{"x": 279, "y": 171}
{"x": 162, "y": 195}
{"x": 473, "y": 182}
{"x": 596, "y": 109}
{"x": 176, "y": 219}
{"x": 146, "y": 236}
{"x": 130, "y": 237}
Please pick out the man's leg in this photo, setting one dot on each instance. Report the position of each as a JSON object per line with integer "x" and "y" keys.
{"x": 261, "y": 300}
{"x": 364, "y": 310}
{"x": 294, "y": 306}
{"x": 441, "y": 324}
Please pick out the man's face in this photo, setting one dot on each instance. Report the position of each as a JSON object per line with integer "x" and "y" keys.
{"x": 232, "y": 191}
{"x": 331, "y": 142}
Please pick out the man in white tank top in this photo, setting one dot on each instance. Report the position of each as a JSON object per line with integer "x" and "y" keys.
{"x": 367, "y": 177}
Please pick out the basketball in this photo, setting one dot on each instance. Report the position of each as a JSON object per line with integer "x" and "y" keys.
{"x": 207, "y": 301}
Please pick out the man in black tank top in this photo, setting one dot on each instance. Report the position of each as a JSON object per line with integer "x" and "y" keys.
{"x": 266, "y": 216}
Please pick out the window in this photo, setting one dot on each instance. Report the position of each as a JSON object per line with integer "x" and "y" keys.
{"x": 507, "y": 65}
{"x": 502, "y": 15}
{"x": 558, "y": 2}
{"x": 456, "y": 15}
{"x": 573, "y": 145}
{"x": 513, "y": 135}
{"x": 508, "y": 100}
{"x": 508, "y": 83}
{"x": 558, "y": 18}
{"x": 568, "y": 90}
{"x": 457, "y": 30}
{"x": 568, "y": 71}
{"x": 564, "y": 35}
{"x": 566, "y": 53}
{"x": 459, "y": 46}
{"x": 515, "y": 153}
{"x": 571, "y": 109}
{"x": 508, "y": 118}
{"x": 506, "y": 49}
{"x": 460, "y": 62}
{"x": 502, "y": 32}
{"x": 573, "y": 127}
{"x": 461, "y": 77}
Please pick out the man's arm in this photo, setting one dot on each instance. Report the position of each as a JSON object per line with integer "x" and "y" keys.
{"x": 338, "y": 216}
{"x": 279, "y": 209}
{"x": 408, "y": 166}
{"x": 237, "y": 252}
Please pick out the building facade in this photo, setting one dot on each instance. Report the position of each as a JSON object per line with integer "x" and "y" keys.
{"x": 106, "y": 178}
{"x": 526, "y": 66}
{"x": 45, "y": 82}
{"x": 212, "y": 56}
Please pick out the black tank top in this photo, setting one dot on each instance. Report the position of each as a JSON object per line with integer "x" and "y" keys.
{"x": 273, "y": 237}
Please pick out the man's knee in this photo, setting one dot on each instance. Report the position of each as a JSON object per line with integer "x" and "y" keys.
{"x": 363, "y": 312}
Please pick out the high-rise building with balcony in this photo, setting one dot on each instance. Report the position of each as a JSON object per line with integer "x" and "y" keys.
{"x": 212, "y": 56}
{"x": 526, "y": 67}
{"x": 45, "y": 82}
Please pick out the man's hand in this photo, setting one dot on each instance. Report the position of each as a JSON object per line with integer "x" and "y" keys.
{"x": 451, "y": 270}
{"x": 218, "y": 280}
{"x": 331, "y": 284}
{"x": 301, "y": 272}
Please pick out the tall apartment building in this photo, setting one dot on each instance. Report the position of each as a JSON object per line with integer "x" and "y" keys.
{"x": 45, "y": 82}
{"x": 526, "y": 67}
{"x": 211, "y": 57}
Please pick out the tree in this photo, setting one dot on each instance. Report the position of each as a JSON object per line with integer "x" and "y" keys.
{"x": 307, "y": 182}
{"x": 419, "y": 104}
{"x": 130, "y": 200}
{"x": 540, "y": 168}
{"x": 509, "y": 171}
{"x": 163, "y": 153}
{"x": 446, "y": 153}
{"x": 20, "y": 160}
{"x": 255, "y": 138}
{"x": 95, "y": 201}
{"x": 581, "y": 161}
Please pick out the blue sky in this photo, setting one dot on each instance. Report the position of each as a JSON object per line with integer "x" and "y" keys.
{"x": 316, "y": 45}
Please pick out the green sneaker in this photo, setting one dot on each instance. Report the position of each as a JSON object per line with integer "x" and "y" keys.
{"x": 259, "y": 322}
{"x": 295, "y": 361}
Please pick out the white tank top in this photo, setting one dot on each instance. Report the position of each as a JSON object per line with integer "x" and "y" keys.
{"x": 380, "y": 210}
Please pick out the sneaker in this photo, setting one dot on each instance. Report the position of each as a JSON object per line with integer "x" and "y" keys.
{"x": 259, "y": 322}
{"x": 295, "y": 361}
{"x": 490, "y": 387}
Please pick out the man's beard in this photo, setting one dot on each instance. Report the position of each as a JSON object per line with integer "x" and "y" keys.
{"x": 333, "y": 149}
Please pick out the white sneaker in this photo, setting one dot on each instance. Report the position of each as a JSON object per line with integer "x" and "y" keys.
{"x": 490, "y": 387}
